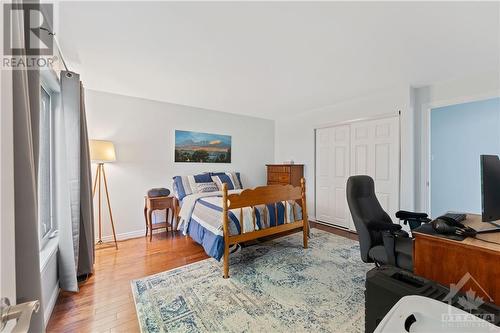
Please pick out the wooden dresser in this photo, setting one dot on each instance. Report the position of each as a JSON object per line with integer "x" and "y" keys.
{"x": 284, "y": 174}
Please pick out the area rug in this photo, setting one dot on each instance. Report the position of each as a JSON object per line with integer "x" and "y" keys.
{"x": 276, "y": 286}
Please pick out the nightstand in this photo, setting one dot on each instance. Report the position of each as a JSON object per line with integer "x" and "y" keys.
{"x": 159, "y": 203}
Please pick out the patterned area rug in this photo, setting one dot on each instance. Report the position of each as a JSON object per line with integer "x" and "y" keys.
{"x": 276, "y": 286}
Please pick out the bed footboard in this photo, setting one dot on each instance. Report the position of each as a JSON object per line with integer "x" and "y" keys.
{"x": 263, "y": 195}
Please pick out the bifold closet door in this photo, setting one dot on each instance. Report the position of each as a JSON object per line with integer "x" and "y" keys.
{"x": 375, "y": 152}
{"x": 332, "y": 171}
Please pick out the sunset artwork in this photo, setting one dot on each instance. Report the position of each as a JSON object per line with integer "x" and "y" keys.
{"x": 197, "y": 147}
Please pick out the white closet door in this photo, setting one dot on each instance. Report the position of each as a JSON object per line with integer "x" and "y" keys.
{"x": 375, "y": 152}
{"x": 340, "y": 173}
{"x": 333, "y": 160}
{"x": 323, "y": 166}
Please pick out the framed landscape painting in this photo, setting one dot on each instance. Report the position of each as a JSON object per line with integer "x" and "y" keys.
{"x": 197, "y": 147}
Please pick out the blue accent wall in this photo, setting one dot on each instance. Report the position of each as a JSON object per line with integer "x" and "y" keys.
{"x": 459, "y": 135}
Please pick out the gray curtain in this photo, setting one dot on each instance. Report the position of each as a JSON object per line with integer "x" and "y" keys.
{"x": 26, "y": 105}
{"x": 76, "y": 233}
{"x": 86, "y": 244}
{"x": 67, "y": 158}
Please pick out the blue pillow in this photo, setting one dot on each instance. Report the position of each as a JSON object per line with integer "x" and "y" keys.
{"x": 203, "y": 178}
{"x": 179, "y": 187}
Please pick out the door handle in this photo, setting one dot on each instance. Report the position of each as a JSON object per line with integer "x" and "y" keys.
{"x": 22, "y": 312}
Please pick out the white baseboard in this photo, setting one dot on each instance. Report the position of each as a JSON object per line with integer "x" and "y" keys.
{"x": 123, "y": 236}
{"x": 129, "y": 235}
{"x": 333, "y": 225}
{"x": 52, "y": 303}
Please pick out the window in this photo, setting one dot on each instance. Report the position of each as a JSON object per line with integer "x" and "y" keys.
{"x": 45, "y": 168}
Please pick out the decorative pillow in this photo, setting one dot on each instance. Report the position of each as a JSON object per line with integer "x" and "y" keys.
{"x": 238, "y": 179}
{"x": 186, "y": 185}
{"x": 203, "y": 178}
{"x": 182, "y": 187}
{"x": 225, "y": 178}
{"x": 206, "y": 187}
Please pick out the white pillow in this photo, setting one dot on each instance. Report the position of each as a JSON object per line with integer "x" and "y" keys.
{"x": 227, "y": 178}
{"x": 236, "y": 181}
{"x": 206, "y": 187}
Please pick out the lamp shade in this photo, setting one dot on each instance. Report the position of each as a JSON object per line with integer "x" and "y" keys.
{"x": 102, "y": 151}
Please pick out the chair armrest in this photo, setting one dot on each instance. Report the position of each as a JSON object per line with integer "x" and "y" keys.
{"x": 390, "y": 247}
{"x": 383, "y": 226}
{"x": 404, "y": 215}
{"x": 397, "y": 242}
{"x": 404, "y": 246}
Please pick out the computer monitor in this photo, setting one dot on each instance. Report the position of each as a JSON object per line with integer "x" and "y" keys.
{"x": 490, "y": 188}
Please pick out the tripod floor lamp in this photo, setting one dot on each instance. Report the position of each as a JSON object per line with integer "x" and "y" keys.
{"x": 102, "y": 152}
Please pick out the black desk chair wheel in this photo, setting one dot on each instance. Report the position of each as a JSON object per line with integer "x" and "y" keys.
{"x": 381, "y": 241}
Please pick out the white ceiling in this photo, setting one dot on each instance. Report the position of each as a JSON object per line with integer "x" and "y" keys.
{"x": 273, "y": 59}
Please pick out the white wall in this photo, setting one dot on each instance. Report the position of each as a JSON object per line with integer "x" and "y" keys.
{"x": 143, "y": 133}
{"x": 295, "y": 134}
{"x": 455, "y": 91}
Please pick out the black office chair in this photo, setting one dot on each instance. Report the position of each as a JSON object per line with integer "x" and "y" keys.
{"x": 380, "y": 240}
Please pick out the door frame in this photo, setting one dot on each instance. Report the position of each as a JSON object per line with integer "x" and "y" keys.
{"x": 348, "y": 122}
{"x": 355, "y": 120}
{"x": 425, "y": 153}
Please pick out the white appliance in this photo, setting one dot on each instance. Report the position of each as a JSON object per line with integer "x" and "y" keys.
{"x": 421, "y": 314}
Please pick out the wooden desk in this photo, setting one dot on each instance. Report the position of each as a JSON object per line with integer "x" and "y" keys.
{"x": 447, "y": 261}
{"x": 159, "y": 203}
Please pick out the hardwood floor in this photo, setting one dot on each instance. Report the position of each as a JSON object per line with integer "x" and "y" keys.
{"x": 105, "y": 302}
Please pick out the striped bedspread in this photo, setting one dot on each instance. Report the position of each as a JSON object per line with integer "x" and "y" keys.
{"x": 204, "y": 223}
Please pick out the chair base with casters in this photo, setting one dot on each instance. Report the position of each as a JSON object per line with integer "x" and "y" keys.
{"x": 381, "y": 241}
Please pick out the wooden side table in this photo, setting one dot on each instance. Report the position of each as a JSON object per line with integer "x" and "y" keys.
{"x": 159, "y": 203}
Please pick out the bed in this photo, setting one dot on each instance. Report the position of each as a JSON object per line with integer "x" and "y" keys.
{"x": 219, "y": 220}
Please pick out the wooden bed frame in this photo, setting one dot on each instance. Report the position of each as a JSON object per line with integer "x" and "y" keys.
{"x": 271, "y": 194}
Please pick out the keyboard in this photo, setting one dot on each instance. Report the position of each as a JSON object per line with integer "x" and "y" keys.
{"x": 459, "y": 217}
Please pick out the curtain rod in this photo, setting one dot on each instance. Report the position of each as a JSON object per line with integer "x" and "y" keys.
{"x": 57, "y": 45}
